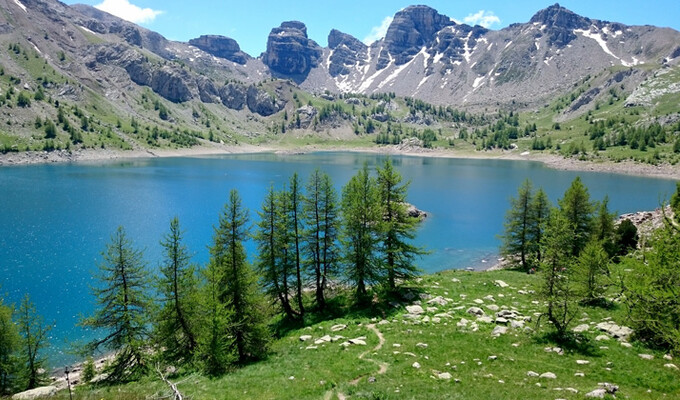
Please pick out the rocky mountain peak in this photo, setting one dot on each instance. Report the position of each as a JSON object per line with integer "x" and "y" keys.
{"x": 346, "y": 51}
{"x": 412, "y": 28}
{"x": 560, "y": 23}
{"x": 220, "y": 46}
{"x": 290, "y": 52}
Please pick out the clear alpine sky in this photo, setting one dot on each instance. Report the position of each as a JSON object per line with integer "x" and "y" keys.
{"x": 249, "y": 21}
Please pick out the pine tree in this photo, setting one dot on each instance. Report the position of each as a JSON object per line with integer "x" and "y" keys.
{"x": 239, "y": 288}
{"x": 177, "y": 284}
{"x": 592, "y": 270}
{"x": 123, "y": 308}
{"x": 362, "y": 216}
{"x": 398, "y": 227}
{"x": 271, "y": 262}
{"x": 603, "y": 230}
{"x": 578, "y": 209}
{"x": 9, "y": 344}
{"x": 34, "y": 338}
{"x": 321, "y": 215}
{"x": 518, "y": 221}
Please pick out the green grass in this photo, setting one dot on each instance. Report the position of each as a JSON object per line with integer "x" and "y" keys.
{"x": 331, "y": 370}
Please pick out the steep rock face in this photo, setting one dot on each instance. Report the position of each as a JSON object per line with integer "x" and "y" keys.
{"x": 346, "y": 51}
{"x": 233, "y": 95}
{"x": 411, "y": 29}
{"x": 220, "y": 46}
{"x": 560, "y": 24}
{"x": 263, "y": 103}
{"x": 290, "y": 52}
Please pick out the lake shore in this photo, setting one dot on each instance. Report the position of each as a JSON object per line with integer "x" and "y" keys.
{"x": 550, "y": 160}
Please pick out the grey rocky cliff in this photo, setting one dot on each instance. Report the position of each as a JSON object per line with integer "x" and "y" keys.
{"x": 347, "y": 51}
{"x": 290, "y": 52}
{"x": 220, "y": 46}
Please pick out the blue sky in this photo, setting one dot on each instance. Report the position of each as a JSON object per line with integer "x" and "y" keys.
{"x": 249, "y": 21}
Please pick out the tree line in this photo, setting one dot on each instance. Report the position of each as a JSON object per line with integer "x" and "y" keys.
{"x": 586, "y": 260}
{"x": 216, "y": 317}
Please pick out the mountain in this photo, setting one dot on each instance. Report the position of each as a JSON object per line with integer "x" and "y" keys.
{"x": 122, "y": 75}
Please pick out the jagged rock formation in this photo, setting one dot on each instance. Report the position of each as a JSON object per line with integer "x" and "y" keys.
{"x": 290, "y": 52}
{"x": 346, "y": 51}
{"x": 220, "y": 46}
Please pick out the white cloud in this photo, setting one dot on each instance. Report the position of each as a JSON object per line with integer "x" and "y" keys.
{"x": 483, "y": 18}
{"x": 129, "y": 12}
{"x": 378, "y": 32}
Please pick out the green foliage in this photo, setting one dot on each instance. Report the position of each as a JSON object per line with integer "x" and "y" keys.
{"x": 525, "y": 225}
{"x": 122, "y": 309}
{"x": 592, "y": 272}
{"x": 559, "y": 291}
{"x": 238, "y": 283}
{"x": 9, "y": 344}
{"x": 626, "y": 237}
{"x": 89, "y": 370}
{"x": 34, "y": 338}
{"x": 652, "y": 290}
{"x": 360, "y": 235}
{"x": 320, "y": 213}
{"x": 177, "y": 286}
{"x": 578, "y": 210}
{"x": 675, "y": 202}
{"x": 23, "y": 100}
{"x": 398, "y": 227}
{"x": 603, "y": 227}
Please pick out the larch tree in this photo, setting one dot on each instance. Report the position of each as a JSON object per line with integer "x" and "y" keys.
{"x": 295, "y": 199}
{"x": 34, "y": 338}
{"x": 122, "y": 311}
{"x": 517, "y": 239}
{"x": 177, "y": 287}
{"x": 362, "y": 217}
{"x": 398, "y": 227}
{"x": 603, "y": 227}
{"x": 592, "y": 271}
{"x": 578, "y": 209}
{"x": 540, "y": 214}
{"x": 271, "y": 262}
{"x": 320, "y": 211}
{"x": 239, "y": 285}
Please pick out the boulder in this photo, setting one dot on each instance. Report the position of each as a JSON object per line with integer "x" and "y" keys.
{"x": 475, "y": 311}
{"x": 615, "y": 331}
{"x": 220, "y": 46}
{"x": 501, "y": 284}
{"x": 36, "y": 393}
{"x": 499, "y": 330}
{"x": 304, "y": 338}
{"x": 415, "y": 309}
{"x": 338, "y": 327}
{"x": 548, "y": 375}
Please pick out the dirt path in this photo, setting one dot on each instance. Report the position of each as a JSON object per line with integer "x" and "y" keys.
{"x": 382, "y": 366}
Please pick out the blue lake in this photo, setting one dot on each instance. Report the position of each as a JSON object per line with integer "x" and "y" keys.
{"x": 56, "y": 219}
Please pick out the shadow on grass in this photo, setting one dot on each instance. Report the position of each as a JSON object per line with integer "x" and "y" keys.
{"x": 600, "y": 302}
{"x": 382, "y": 305}
{"x": 571, "y": 341}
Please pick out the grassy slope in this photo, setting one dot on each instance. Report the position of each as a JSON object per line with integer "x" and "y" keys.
{"x": 330, "y": 371}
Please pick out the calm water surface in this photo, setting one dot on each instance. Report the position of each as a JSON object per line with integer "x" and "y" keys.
{"x": 56, "y": 219}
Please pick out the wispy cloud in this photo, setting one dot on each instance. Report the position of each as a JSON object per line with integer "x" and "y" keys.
{"x": 378, "y": 32}
{"x": 483, "y": 18}
{"x": 129, "y": 12}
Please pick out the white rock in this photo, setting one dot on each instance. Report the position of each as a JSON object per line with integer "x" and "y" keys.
{"x": 462, "y": 323}
{"x": 501, "y": 320}
{"x": 421, "y": 345}
{"x": 36, "y": 393}
{"x": 646, "y": 356}
{"x": 499, "y": 330}
{"x": 500, "y": 283}
{"x": 415, "y": 309}
{"x": 671, "y": 366}
{"x": 601, "y": 338}
{"x": 478, "y": 301}
{"x": 581, "y": 328}
{"x": 444, "y": 375}
{"x": 323, "y": 339}
{"x": 455, "y": 280}
{"x": 485, "y": 319}
{"x": 626, "y": 345}
{"x": 489, "y": 298}
{"x": 580, "y": 374}
{"x": 668, "y": 357}
{"x": 582, "y": 362}
{"x": 532, "y": 374}
{"x": 517, "y": 324}
{"x": 548, "y": 375}
{"x": 304, "y": 338}
{"x": 396, "y": 345}
{"x": 493, "y": 307}
{"x": 337, "y": 328}
{"x": 596, "y": 394}
{"x": 475, "y": 311}
{"x": 491, "y": 358}
{"x": 416, "y": 365}
{"x": 438, "y": 300}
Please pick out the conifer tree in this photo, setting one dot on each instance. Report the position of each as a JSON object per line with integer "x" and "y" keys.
{"x": 518, "y": 225}
{"x": 294, "y": 210}
{"x": 271, "y": 262}
{"x": 362, "y": 216}
{"x": 398, "y": 227}
{"x": 34, "y": 338}
{"x": 177, "y": 285}
{"x": 320, "y": 210}
{"x": 239, "y": 287}
{"x": 540, "y": 214}
{"x": 122, "y": 309}
{"x": 9, "y": 344}
{"x": 578, "y": 209}
{"x": 592, "y": 270}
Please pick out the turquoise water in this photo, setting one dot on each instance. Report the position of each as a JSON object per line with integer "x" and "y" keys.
{"x": 56, "y": 219}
